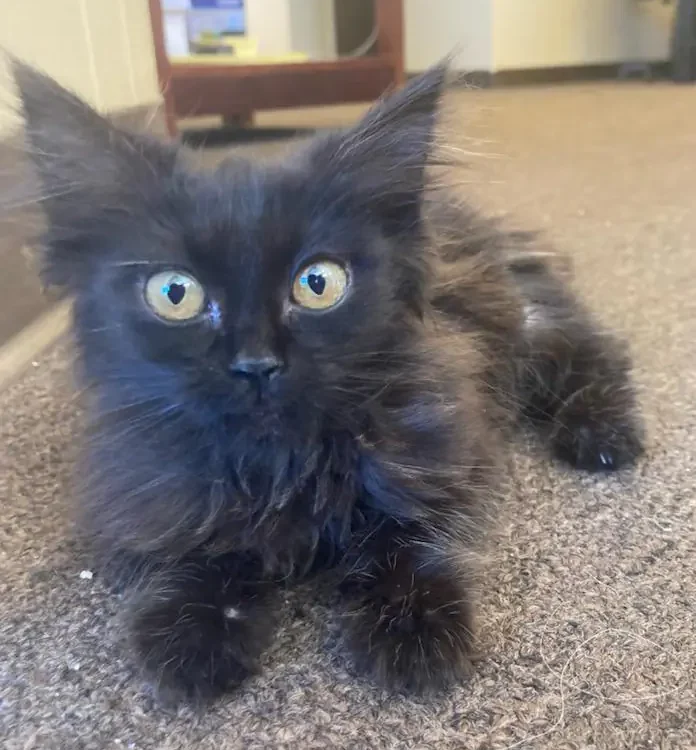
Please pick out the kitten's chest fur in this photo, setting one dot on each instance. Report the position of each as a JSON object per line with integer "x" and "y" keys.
{"x": 280, "y": 497}
{"x": 287, "y": 496}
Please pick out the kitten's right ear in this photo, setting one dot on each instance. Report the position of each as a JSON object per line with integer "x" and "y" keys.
{"x": 388, "y": 151}
{"x": 89, "y": 171}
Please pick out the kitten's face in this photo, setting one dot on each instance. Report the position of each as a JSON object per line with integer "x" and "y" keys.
{"x": 271, "y": 295}
{"x": 254, "y": 291}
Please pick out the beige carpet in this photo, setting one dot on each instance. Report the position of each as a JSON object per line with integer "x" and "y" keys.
{"x": 588, "y": 619}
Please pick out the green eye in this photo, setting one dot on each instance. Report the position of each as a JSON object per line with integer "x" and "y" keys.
{"x": 174, "y": 296}
{"x": 320, "y": 285}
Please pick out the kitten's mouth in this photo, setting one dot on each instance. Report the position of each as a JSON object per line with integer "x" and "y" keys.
{"x": 255, "y": 405}
{"x": 260, "y": 399}
{"x": 253, "y": 394}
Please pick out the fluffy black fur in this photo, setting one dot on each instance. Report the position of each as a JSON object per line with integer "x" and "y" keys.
{"x": 378, "y": 446}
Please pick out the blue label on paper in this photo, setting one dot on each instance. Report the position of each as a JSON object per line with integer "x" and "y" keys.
{"x": 218, "y": 4}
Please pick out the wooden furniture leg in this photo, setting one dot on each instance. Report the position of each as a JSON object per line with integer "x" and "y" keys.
{"x": 236, "y": 91}
{"x": 164, "y": 69}
{"x": 389, "y": 16}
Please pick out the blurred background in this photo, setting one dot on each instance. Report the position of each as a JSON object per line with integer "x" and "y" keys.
{"x": 252, "y": 73}
{"x": 577, "y": 118}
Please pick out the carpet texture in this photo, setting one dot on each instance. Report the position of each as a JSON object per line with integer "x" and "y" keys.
{"x": 588, "y": 616}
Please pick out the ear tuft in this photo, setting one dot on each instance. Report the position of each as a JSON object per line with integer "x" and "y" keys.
{"x": 64, "y": 135}
{"x": 89, "y": 174}
{"x": 414, "y": 107}
{"x": 81, "y": 158}
{"x": 388, "y": 151}
{"x": 43, "y": 100}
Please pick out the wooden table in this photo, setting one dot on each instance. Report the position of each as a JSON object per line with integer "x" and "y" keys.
{"x": 236, "y": 91}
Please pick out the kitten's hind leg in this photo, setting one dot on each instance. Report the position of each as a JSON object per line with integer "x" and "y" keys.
{"x": 198, "y": 629}
{"x": 575, "y": 380}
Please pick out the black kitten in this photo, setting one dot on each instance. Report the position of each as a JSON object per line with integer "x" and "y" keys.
{"x": 299, "y": 363}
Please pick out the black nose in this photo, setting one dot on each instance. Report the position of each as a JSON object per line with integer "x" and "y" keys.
{"x": 256, "y": 367}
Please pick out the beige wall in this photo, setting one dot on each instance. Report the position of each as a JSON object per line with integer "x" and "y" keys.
{"x": 269, "y": 22}
{"x": 283, "y": 26}
{"x": 102, "y": 49}
{"x": 312, "y": 27}
{"x": 545, "y": 33}
{"x": 495, "y": 35}
{"x": 435, "y": 28}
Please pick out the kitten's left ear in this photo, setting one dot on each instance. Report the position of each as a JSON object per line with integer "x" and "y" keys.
{"x": 93, "y": 177}
{"x": 388, "y": 151}
{"x": 83, "y": 161}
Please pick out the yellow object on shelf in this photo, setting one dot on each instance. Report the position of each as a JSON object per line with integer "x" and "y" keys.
{"x": 224, "y": 44}
{"x": 245, "y": 51}
{"x": 219, "y": 59}
{"x": 244, "y": 46}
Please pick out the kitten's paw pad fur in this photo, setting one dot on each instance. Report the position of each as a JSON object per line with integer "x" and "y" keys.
{"x": 595, "y": 433}
{"x": 413, "y": 639}
{"x": 192, "y": 653}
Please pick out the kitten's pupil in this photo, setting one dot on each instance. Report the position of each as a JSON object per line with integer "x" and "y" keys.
{"x": 316, "y": 283}
{"x": 175, "y": 292}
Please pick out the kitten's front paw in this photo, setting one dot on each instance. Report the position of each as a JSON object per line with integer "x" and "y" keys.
{"x": 193, "y": 652}
{"x": 597, "y": 430}
{"x": 412, "y": 635}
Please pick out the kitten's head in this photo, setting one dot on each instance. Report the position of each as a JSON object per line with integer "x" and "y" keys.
{"x": 271, "y": 294}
